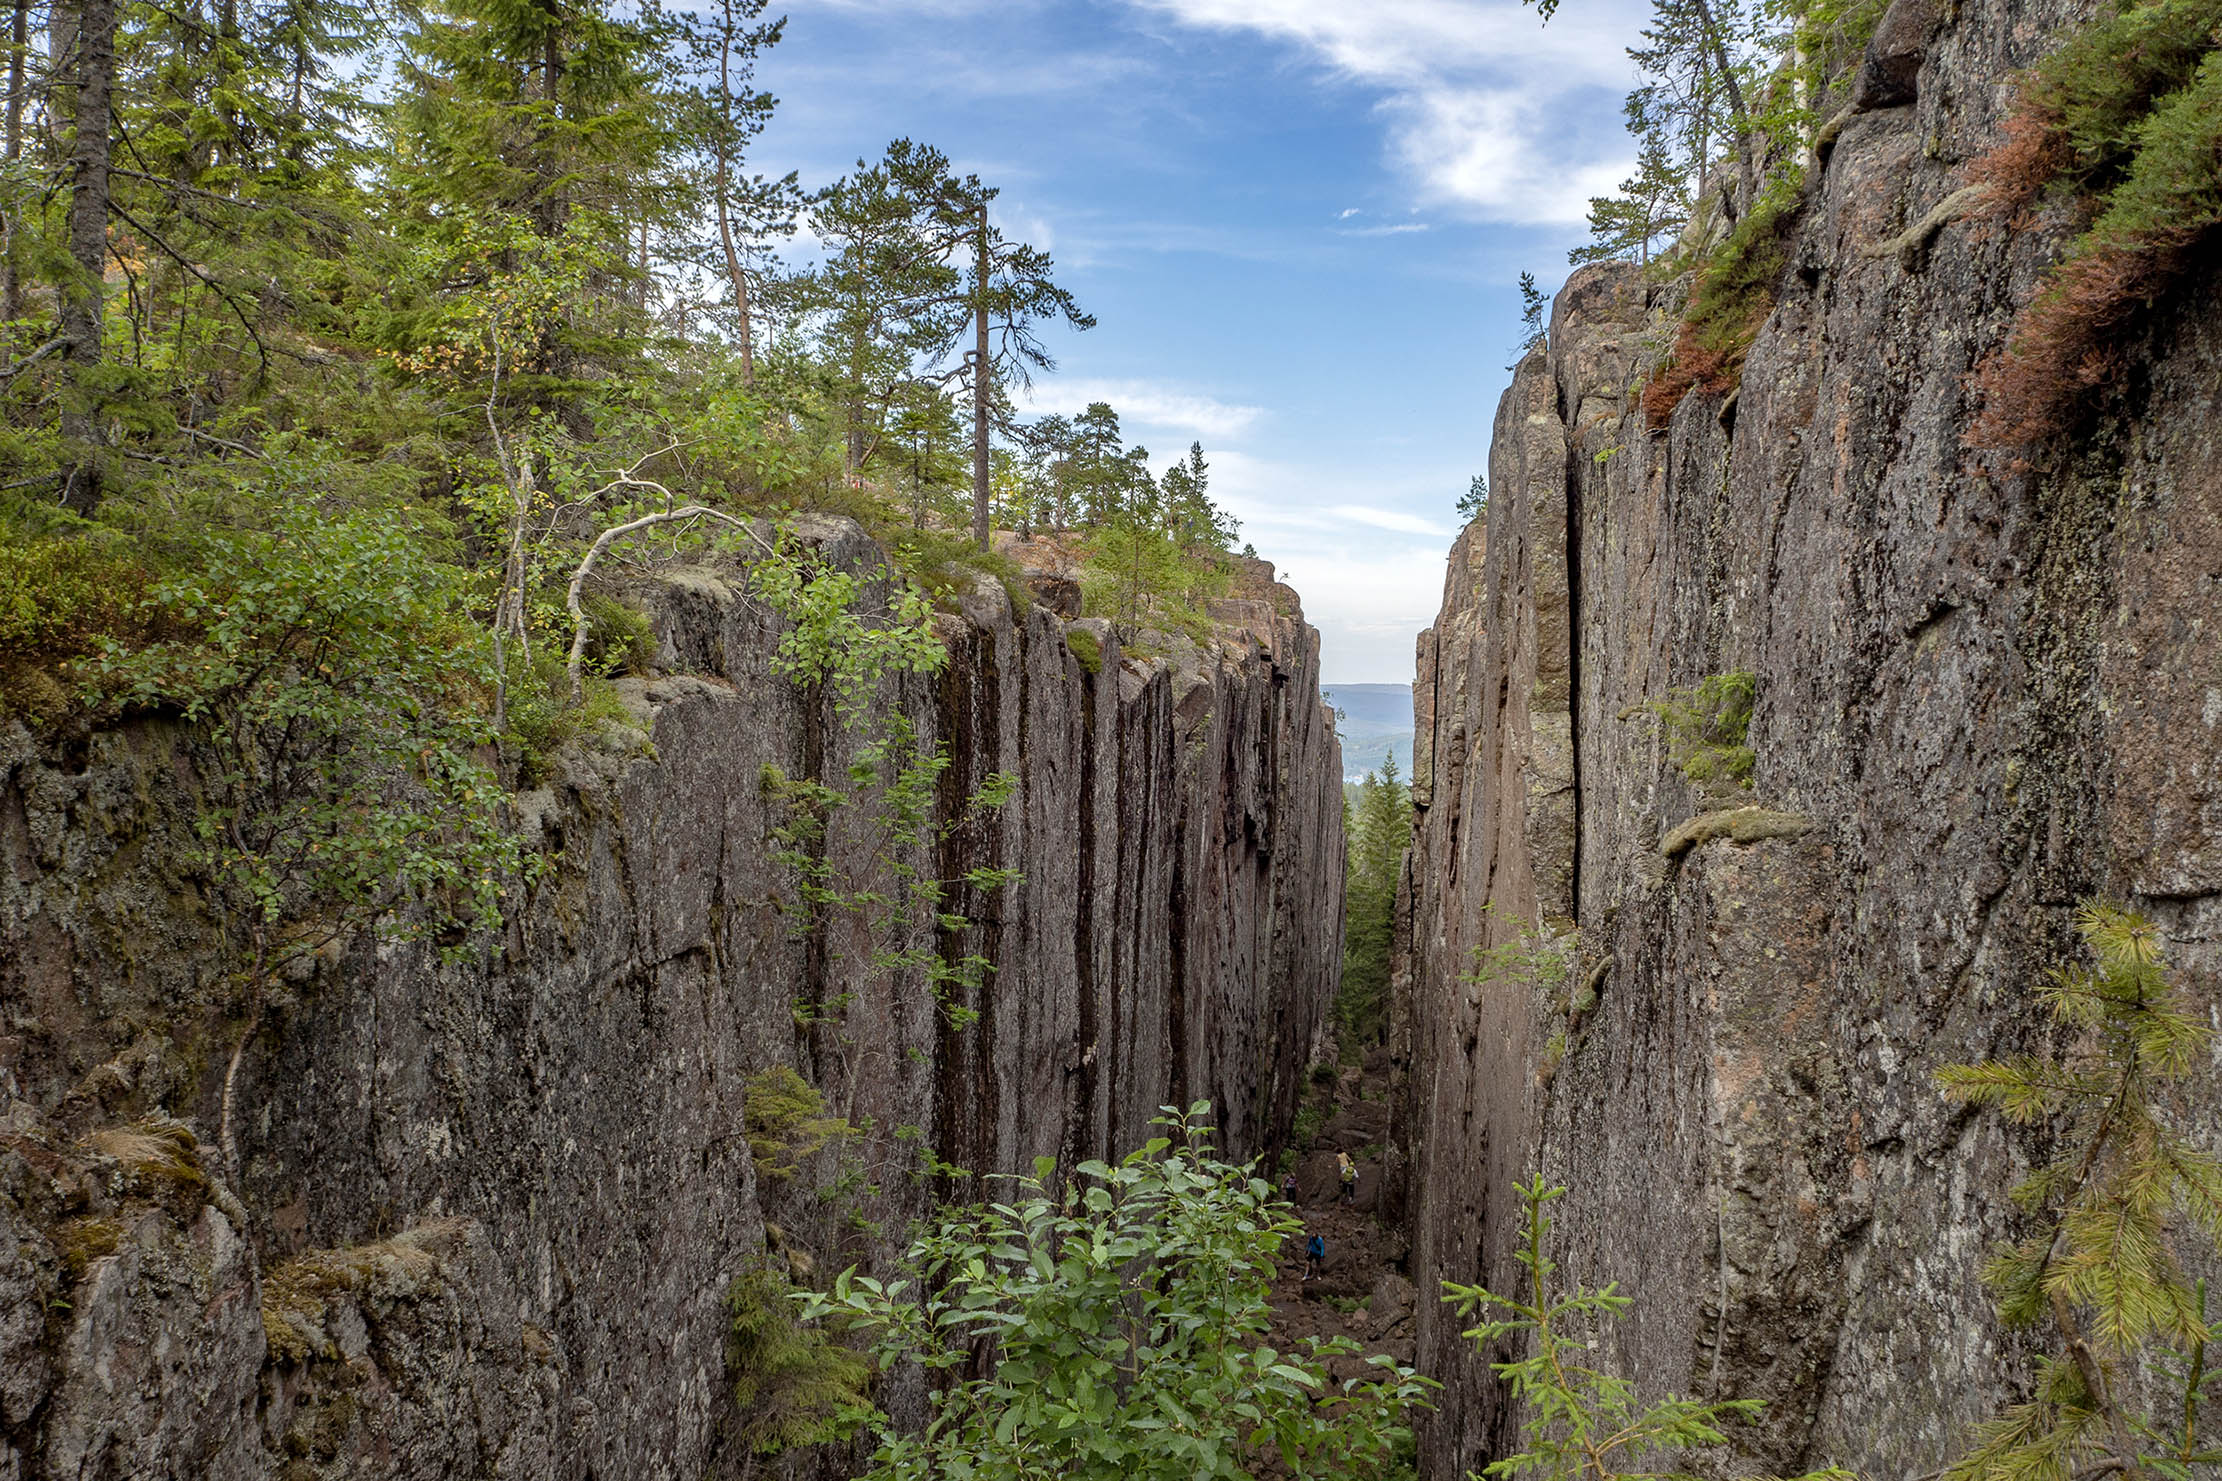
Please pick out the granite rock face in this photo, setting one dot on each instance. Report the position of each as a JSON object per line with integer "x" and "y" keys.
{"x": 1984, "y": 693}
{"x": 488, "y": 1211}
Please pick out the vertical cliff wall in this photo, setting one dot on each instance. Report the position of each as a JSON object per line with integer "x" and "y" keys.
{"x": 489, "y": 1211}
{"x": 1983, "y": 695}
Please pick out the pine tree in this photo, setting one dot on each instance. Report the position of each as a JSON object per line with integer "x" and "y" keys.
{"x": 1377, "y": 835}
{"x": 2113, "y": 1207}
{"x": 727, "y": 115}
{"x": 1653, "y": 202}
{"x": 1006, "y": 292}
{"x": 884, "y": 298}
{"x": 1474, "y": 503}
{"x": 1534, "y": 303}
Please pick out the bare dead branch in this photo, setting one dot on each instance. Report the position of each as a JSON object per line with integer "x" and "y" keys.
{"x": 601, "y": 546}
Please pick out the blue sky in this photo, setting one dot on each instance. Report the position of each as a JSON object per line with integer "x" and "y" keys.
{"x": 1299, "y": 224}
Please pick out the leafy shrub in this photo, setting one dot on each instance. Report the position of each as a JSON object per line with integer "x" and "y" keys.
{"x": 2128, "y": 114}
{"x": 333, "y": 685}
{"x": 1112, "y": 1330}
{"x": 60, "y": 595}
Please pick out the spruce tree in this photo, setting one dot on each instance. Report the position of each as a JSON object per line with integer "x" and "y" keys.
{"x": 2126, "y": 1194}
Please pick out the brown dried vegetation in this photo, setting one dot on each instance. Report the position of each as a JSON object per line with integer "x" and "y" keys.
{"x": 2126, "y": 115}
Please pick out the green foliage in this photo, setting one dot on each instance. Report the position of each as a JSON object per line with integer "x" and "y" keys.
{"x": 1653, "y": 202}
{"x": 845, "y": 647}
{"x": 1733, "y": 293}
{"x": 1376, "y": 834}
{"x": 1534, "y": 304}
{"x": 1537, "y": 959}
{"x": 795, "y": 1386}
{"x": 1474, "y": 503}
{"x": 1708, "y": 726}
{"x": 542, "y": 721}
{"x": 1121, "y": 1318}
{"x": 620, "y": 639}
{"x": 1144, "y": 580}
{"x": 2111, "y": 1207}
{"x": 1584, "y": 1423}
{"x": 1086, "y": 647}
{"x": 335, "y": 692}
{"x": 784, "y": 1118}
{"x": 60, "y": 595}
{"x": 2128, "y": 115}
{"x": 2084, "y": 106}
{"x": 945, "y": 564}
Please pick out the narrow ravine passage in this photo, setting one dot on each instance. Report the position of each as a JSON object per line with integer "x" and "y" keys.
{"x": 1363, "y": 1292}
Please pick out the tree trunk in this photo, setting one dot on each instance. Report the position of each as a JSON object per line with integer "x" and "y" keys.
{"x": 980, "y": 384}
{"x": 83, "y": 295}
{"x": 1739, "y": 118}
{"x": 11, "y": 278}
{"x": 723, "y": 146}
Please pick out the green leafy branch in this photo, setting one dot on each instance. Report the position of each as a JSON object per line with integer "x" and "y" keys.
{"x": 1111, "y": 1327}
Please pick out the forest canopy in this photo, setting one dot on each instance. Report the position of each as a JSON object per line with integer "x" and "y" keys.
{"x": 502, "y": 278}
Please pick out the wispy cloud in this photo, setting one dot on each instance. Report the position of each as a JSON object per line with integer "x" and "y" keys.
{"x": 1402, "y": 228}
{"x": 1475, "y": 92}
{"x": 1389, "y": 519}
{"x": 1348, "y": 212}
{"x": 1142, "y": 403}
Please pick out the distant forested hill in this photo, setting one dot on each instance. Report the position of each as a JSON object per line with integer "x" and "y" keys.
{"x": 1376, "y": 720}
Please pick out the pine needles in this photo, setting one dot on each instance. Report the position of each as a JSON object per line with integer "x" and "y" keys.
{"x": 1585, "y": 1424}
{"x": 2101, "y": 1262}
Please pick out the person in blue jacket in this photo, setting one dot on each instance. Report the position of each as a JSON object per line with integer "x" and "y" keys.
{"x": 1315, "y": 1256}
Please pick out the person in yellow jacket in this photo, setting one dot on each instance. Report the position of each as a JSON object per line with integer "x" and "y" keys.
{"x": 1349, "y": 1171}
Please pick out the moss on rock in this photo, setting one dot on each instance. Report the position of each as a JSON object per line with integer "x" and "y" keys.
{"x": 1737, "y": 825}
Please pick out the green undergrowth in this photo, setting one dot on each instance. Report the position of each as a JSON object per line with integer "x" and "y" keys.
{"x": 786, "y": 1122}
{"x": 1732, "y": 293}
{"x": 1086, "y": 647}
{"x": 794, "y": 1385}
{"x": 946, "y": 564}
{"x": 1707, "y": 728}
{"x": 2124, "y": 119}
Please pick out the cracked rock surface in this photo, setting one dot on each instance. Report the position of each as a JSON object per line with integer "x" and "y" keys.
{"x": 488, "y": 1212}
{"x": 1984, "y": 694}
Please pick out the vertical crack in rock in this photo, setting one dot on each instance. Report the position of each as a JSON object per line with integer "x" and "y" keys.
{"x": 491, "y": 1208}
{"x": 1981, "y": 698}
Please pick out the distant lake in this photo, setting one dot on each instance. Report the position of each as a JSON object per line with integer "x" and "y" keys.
{"x": 1376, "y": 720}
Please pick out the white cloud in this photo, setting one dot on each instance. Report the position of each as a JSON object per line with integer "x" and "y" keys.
{"x": 1348, "y": 212}
{"x": 1390, "y": 519}
{"x": 1402, "y": 228}
{"x": 1474, "y": 91}
{"x": 1146, "y": 403}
